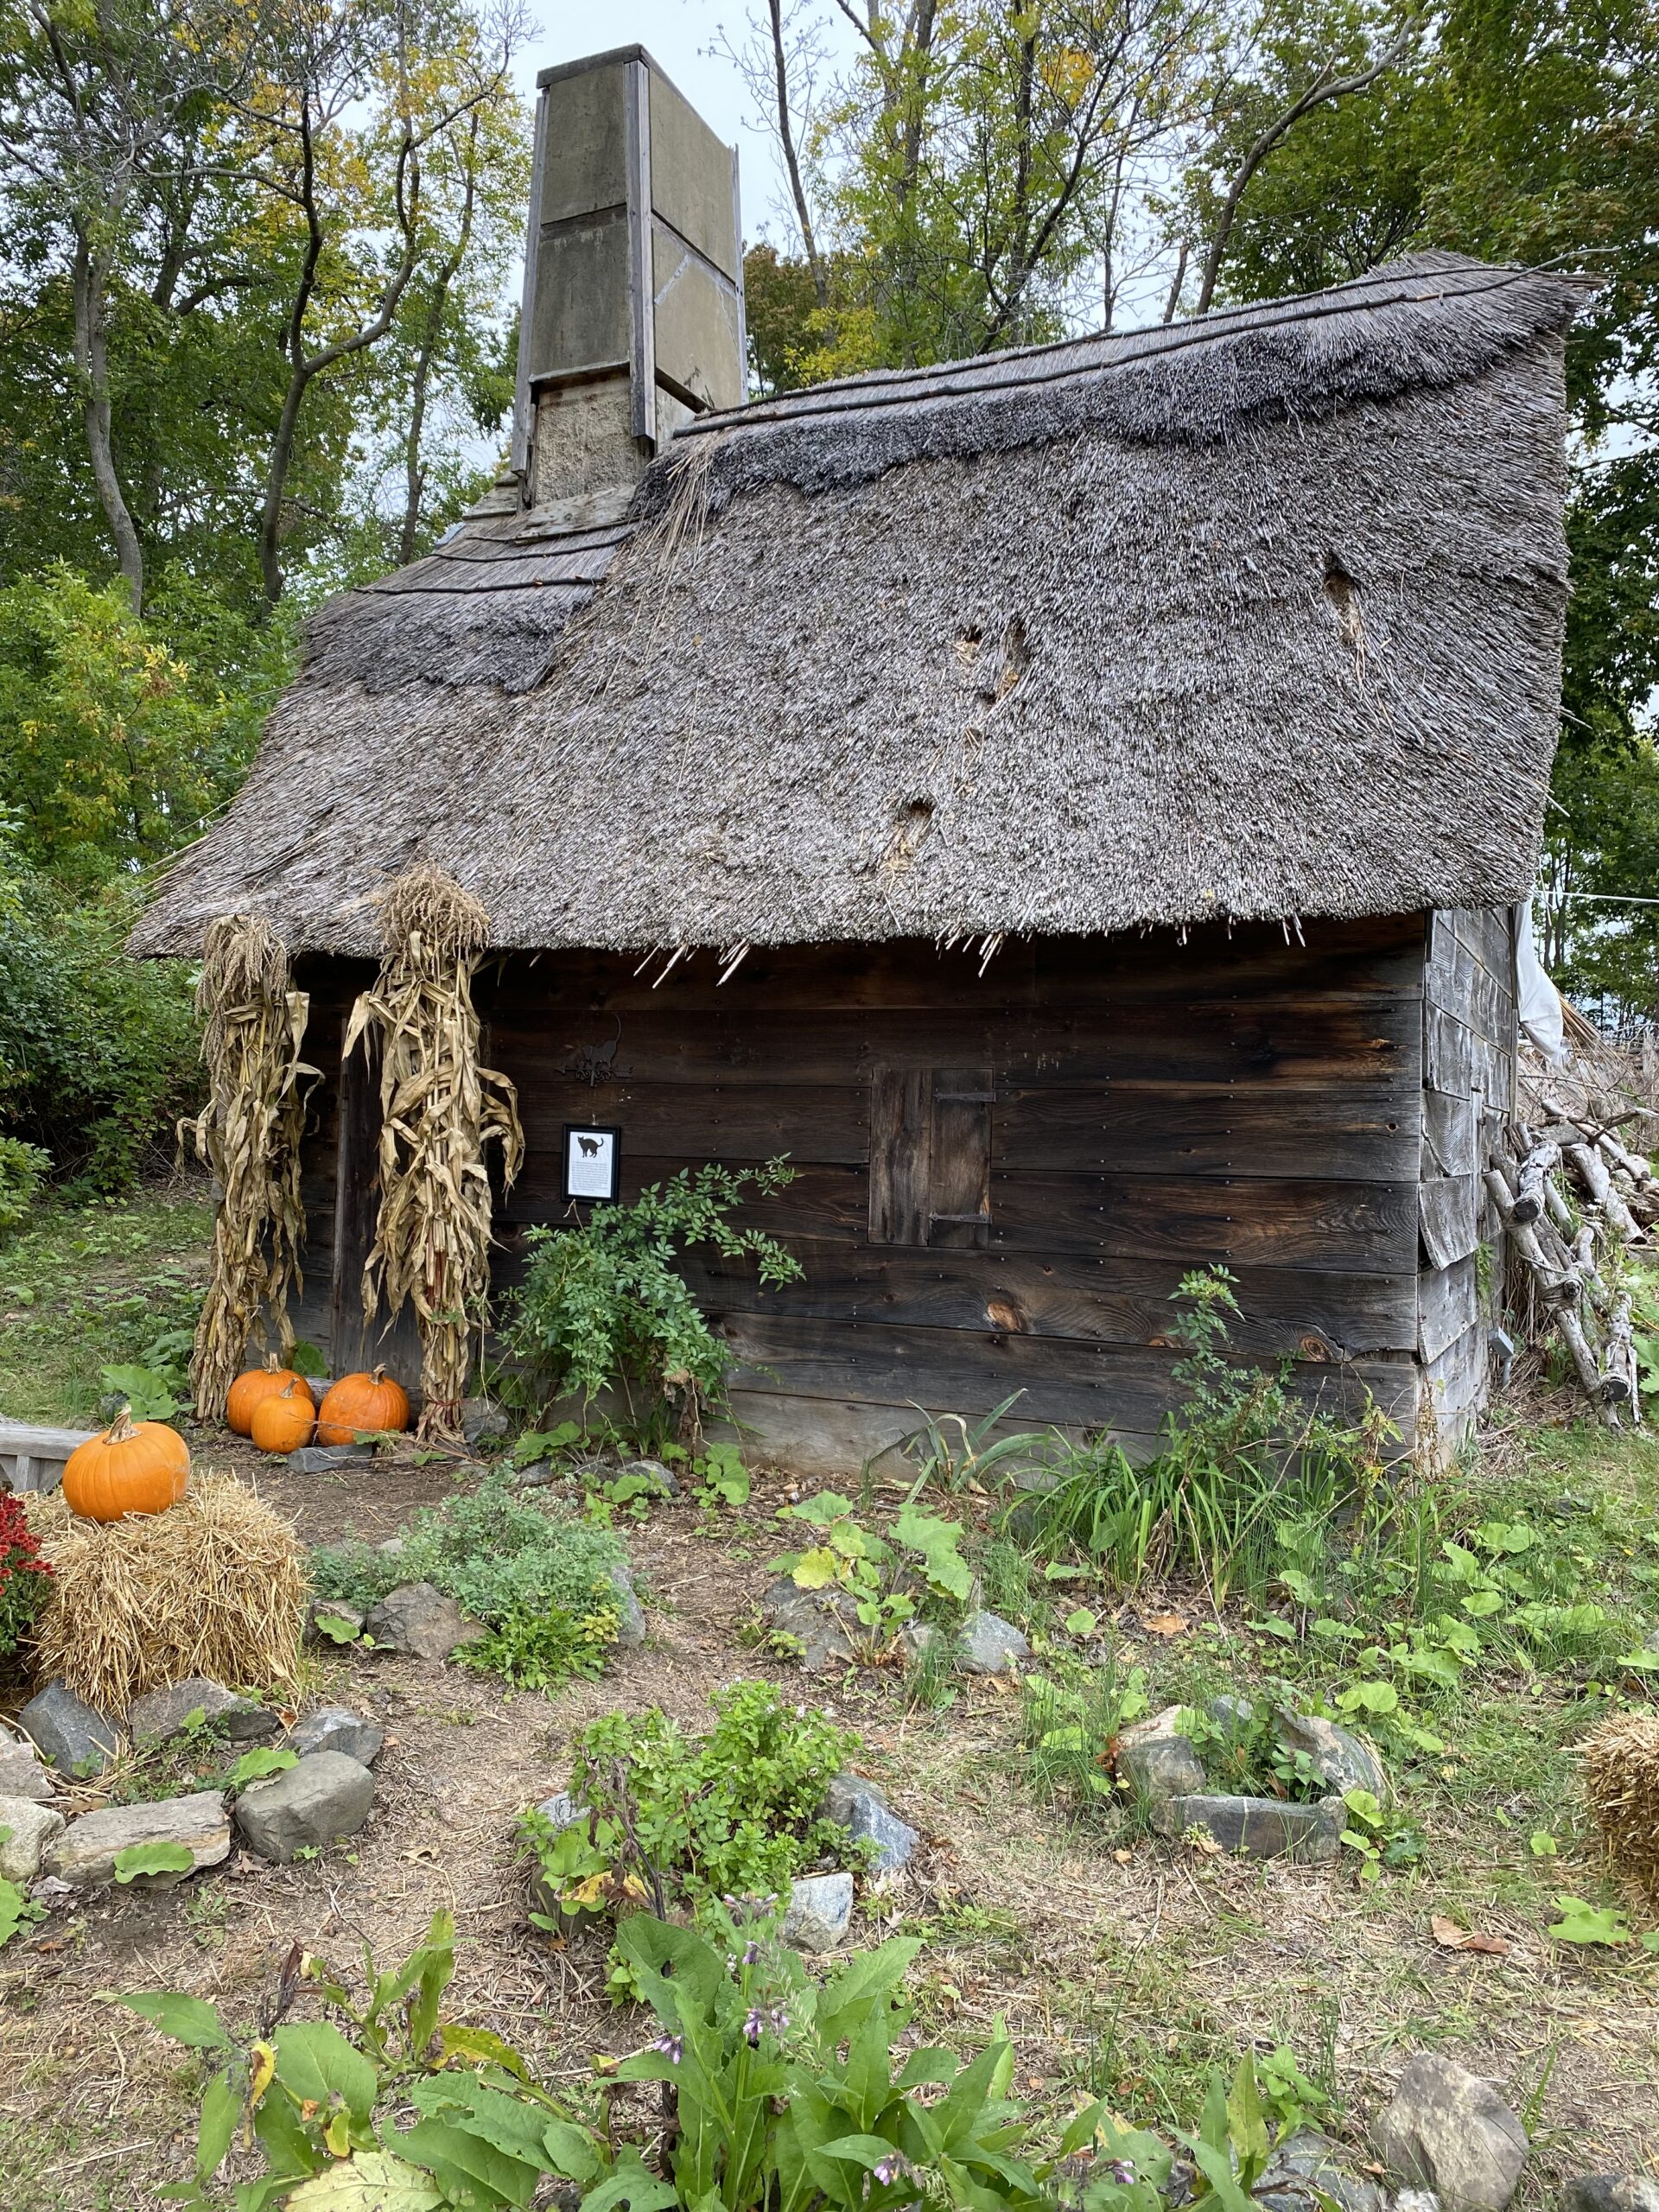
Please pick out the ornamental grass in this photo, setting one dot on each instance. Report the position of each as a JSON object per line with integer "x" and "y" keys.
{"x": 216, "y": 1586}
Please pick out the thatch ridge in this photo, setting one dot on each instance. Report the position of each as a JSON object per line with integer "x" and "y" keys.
{"x": 1261, "y": 617}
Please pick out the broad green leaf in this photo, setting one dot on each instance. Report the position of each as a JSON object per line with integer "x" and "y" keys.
{"x": 479, "y": 2046}
{"x": 314, "y": 2063}
{"x": 1583, "y": 1923}
{"x": 262, "y": 1761}
{"x": 187, "y": 2020}
{"x": 572, "y": 2153}
{"x": 632, "y": 2184}
{"x": 472, "y": 2168}
{"x": 370, "y": 2181}
{"x": 1081, "y": 1623}
{"x": 817, "y": 1569}
{"x": 866, "y": 2151}
{"x": 153, "y": 1859}
{"x": 221, "y": 2108}
{"x": 1544, "y": 1844}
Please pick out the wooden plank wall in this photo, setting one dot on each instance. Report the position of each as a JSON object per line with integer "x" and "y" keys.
{"x": 1155, "y": 1106}
{"x": 1469, "y": 1067}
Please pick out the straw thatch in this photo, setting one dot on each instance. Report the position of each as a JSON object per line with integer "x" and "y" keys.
{"x": 216, "y": 1586}
{"x": 439, "y": 1108}
{"x": 1256, "y": 616}
{"x": 1621, "y": 1779}
{"x": 249, "y": 1132}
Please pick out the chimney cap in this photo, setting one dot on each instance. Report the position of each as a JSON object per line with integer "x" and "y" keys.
{"x": 558, "y": 70}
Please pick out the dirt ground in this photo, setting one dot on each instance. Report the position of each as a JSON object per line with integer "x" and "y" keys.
{"x": 1129, "y": 1972}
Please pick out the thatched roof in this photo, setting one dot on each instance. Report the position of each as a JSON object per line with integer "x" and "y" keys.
{"x": 1256, "y": 615}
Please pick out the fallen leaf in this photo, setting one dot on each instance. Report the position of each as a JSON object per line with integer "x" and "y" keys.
{"x": 1449, "y": 1937}
{"x": 1123, "y": 1857}
{"x": 1165, "y": 1624}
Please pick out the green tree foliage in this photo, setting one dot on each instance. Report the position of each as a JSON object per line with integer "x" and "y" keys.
{"x": 1525, "y": 132}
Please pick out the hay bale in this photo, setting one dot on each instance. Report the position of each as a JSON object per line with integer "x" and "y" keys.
{"x": 216, "y": 1586}
{"x": 1621, "y": 1779}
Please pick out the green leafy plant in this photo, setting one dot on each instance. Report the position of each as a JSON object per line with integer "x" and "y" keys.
{"x": 1378, "y": 1835}
{"x": 23, "y": 1169}
{"x": 145, "y": 1389}
{"x": 917, "y": 1566}
{"x": 603, "y": 1307}
{"x": 337, "y": 1628}
{"x": 952, "y": 1452}
{"x": 672, "y": 1817}
{"x": 17, "y": 1910}
{"x": 540, "y": 1581}
{"x": 720, "y": 1477}
{"x": 153, "y": 1859}
{"x": 1588, "y": 1925}
{"x": 1069, "y": 1729}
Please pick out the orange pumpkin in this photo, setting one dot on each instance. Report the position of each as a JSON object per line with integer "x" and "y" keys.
{"x": 285, "y": 1420}
{"x": 361, "y": 1403}
{"x": 250, "y": 1389}
{"x": 133, "y": 1467}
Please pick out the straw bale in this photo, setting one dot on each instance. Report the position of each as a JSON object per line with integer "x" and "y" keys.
{"x": 1621, "y": 1779}
{"x": 216, "y": 1586}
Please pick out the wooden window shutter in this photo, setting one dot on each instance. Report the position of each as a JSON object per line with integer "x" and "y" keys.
{"x": 930, "y": 1156}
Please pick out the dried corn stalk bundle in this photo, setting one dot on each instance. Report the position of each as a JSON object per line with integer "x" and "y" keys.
{"x": 249, "y": 1133}
{"x": 1621, "y": 1779}
{"x": 439, "y": 1108}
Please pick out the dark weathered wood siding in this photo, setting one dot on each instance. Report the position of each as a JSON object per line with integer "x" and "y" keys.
{"x": 1153, "y": 1107}
{"x": 1469, "y": 1068}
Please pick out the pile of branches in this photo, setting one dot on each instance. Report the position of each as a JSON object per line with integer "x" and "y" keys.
{"x": 1574, "y": 1197}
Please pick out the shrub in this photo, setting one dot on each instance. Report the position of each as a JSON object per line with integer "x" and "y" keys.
{"x": 540, "y": 1582}
{"x": 672, "y": 1817}
{"x": 97, "y": 1051}
{"x": 25, "y": 1576}
{"x": 602, "y": 1307}
{"x": 22, "y": 1170}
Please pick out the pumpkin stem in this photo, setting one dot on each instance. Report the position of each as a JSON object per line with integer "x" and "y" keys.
{"x": 378, "y": 1376}
{"x": 270, "y": 1363}
{"x": 121, "y": 1427}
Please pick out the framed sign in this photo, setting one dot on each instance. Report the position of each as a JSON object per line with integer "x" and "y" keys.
{"x": 591, "y": 1159}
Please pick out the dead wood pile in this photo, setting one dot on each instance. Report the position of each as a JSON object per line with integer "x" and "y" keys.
{"x": 1576, "y": 1193}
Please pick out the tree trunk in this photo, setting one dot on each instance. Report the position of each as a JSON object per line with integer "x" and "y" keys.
{"x": 91, "y": 283}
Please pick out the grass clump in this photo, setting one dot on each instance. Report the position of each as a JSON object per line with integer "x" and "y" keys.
{"x": 541, "y": 1583}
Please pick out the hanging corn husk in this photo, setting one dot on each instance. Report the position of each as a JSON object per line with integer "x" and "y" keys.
{"x": 249, "y": 1133}
{"x": 439, "y": 1108}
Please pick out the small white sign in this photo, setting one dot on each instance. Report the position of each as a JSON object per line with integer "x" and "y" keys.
{"x": 591, "y": 1162}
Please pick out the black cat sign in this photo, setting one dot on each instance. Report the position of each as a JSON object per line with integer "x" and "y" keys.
{"x": 591, "y": 1162}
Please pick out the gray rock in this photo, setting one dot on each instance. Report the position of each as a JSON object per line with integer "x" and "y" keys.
{"x": 72, "y": 1735}
{"x": 631, "y": 1628}
{"x": 1259, "y": 1827}
{"x": 654, "y": 1472}
{"x": 918, "y": 1638}
{"x": 326, "y": 1796}
{"x": 1234, "y": 1714}
{"x": 1159, "y": 1758}
{"x": 26, "y": 1828}
{"x": 337, "y": 1728}
{"x": 322, "y": 1458}
{"x": 820, "y": 1908}
{"x": 987, "y": 1644}
{"x": 480, "y": 1419}
{"x": 85, "y": 1853}
{"x": 1446, "y": 2130}
{"x": 1308, "y": 2156}
{"x": 419, "y": 1619}
{"x": 333, "y": 1609}
{"x": 814, "y": 1618}
{"x": 167, "y": 1713}
{"x": 393, "y": 1548}
{"x": 1341, "y": 1759}
{"x": 859, "y": 1807}
{"x": 21, "y": 1775}
{"x": 537, "y": 1474}
{"x": 1416, "y": 2200}
{"x": 1612, "y": 2193}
